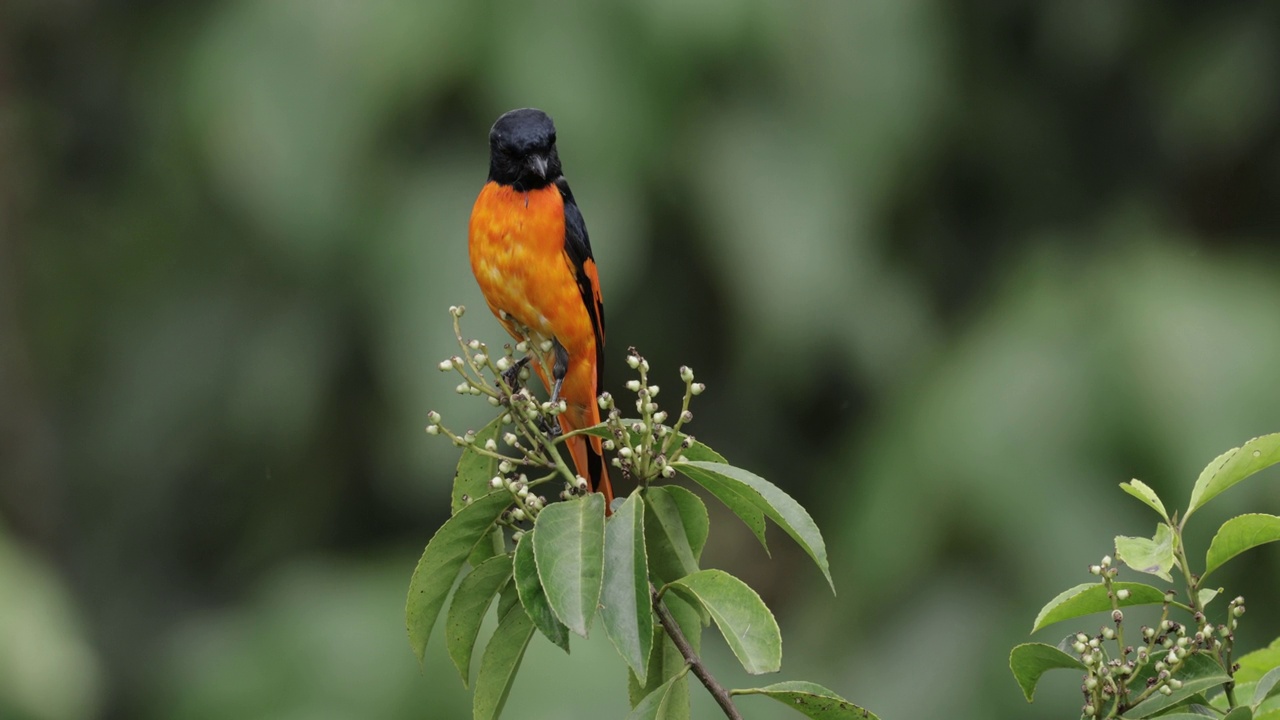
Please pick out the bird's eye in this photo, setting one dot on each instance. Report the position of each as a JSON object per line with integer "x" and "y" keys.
{"x": 553, "y": 138}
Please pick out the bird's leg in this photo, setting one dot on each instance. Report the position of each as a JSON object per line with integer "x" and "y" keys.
{"x": 558, "y": 370}
{"x": 511, "y": 376}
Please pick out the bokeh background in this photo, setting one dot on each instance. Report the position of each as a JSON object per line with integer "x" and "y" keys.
{"x": 950, "y": 270}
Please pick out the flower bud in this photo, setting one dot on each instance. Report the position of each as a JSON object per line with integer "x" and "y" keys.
{"x": 660, "y": 416}
{"x": 1106, "y": 561}
{"x": 522, "y": 346}
{"x": 633, "y": 361}
{"x": 517, "y": 535}
{"x": 517, "y": 514}
{"x": 653, "y": 391}
{"x": 668, "y": 472}
{"x": 463, "y": 389}
{"x": 457, "y": 310}
{"x": 433, "y": 429}
{"x": 686, "y": 374}
{"x": 510, "y": 439}
{"x": 1117, "y": 617}
{"x": 1122, "y": 594}
{"x": 495, "y": 482}
{"x": 446, "y": 365}
{"x": 503, "y": 363}
{"x": 489, "y": 444}
{"x": 697, "y": 388}
{"x": 633, "y": 385}
{"x": 1095, "y": 569}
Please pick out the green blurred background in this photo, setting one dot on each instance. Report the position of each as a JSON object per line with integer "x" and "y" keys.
{"x": 950, "y": 270}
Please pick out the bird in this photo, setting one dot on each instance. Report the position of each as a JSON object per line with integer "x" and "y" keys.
{"x": 531, "y": 256}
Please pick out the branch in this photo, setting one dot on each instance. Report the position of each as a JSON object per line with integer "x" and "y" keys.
{"x": 695, "y": 663}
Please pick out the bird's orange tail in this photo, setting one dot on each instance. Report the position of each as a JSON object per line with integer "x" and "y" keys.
{"x": 588, "y": 459}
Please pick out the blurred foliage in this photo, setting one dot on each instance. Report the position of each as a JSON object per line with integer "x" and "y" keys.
{"x": 953, "y": 270}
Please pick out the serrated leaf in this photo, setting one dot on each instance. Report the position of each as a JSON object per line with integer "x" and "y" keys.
{"x": 1231, "y": 467}
{"x": 1239, "y": 534}
{"x": 811, "y": 700}
{"x": 625, "y": 606}
{"x": 1143, "y": 492}
{"x": 533, "y": 597}
{"x": 1258, "y": 663}
{"x": 500, "y": 662}
{"x": 743, "y": 619}
{"x": 1198, "y": 673}
{"x": 442, "y": 560}
{"x": 1089, "y": 598}
{"x": 658, "y": 704}
{"x": 1269, "y": 685}
{"x": 470, "y": 604}
{"x": 1153, "y": 556}
{"x": 475, "y": 469}
{"x": 1029, "y": 661}
{"x": 569, "y": 548}
{"x": 766, "y": 497}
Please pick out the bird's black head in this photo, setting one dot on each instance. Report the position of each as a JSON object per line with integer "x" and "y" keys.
{"x": 522, "y": 150}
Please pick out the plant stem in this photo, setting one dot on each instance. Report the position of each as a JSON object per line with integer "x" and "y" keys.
{"x": 695, "y": 663}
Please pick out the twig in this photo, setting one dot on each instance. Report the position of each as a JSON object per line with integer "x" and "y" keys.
{"x": 695, "y": 663}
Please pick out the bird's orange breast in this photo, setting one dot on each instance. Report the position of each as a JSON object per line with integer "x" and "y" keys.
{"x": 517, "y": 248}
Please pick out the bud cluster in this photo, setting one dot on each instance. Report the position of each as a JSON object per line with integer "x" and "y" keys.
{"x": 1164, "y": 647}
{"x": 647, "y": 448}
{"x": 526, "y": 444}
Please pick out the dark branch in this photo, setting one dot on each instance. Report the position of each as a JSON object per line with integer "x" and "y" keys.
{"x": 695, "y": 663}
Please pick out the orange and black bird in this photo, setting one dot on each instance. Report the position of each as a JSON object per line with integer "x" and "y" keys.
{"x": 530, "y": 254}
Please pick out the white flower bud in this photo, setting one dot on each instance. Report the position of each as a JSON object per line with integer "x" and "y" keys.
{"x": 697, "y": 388}
{"x": 624, "y": 452}
{"x": 495, "y": 482}
{"x": 608, "y": 445}
{"x": 668, "y": 472}
{"x": 433, "y": 429}
{"x": 458, "y": 310}
{"x": 489, "y": 444}
{"x": 446, "y": 365}
{"x": 633, "y": 385}
{"x": 1106, "y": 561}
{"x": 523, "y": 491}
{"x": 463, "y": 389}
{"x": 510, "y": 439}
{"x": 517, "y": 514}
{"x": 582, "y": 483}
{"x": 517, "y": 535}
{"x": 503, "y": 363}
{"x": 644, "y": 364}
{"x": 1122, "y": 594}
{"x": 686, "y": 373}
{"x": 660, "y": 416}
{"x": 546, "y": 345}
{"x": 653, "y": 391}
{"x": 633, "y": 361}
{"x": 522, "y": 346}
{"x": 493, "y": 401}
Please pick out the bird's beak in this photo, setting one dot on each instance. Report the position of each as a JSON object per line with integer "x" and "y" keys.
{"x": 538, "y": 164}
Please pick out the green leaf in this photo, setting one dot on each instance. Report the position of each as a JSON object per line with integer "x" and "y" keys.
{"x": 1206, "y": 595}
{"x": 1152, "y": 556}
{"x": 1089, "y": 598}
{"x": 743, "y": 618}
{"x": 1231, "y": 467}
{"x": 492, "y": 546}
{"x": 1267, "y": 687}
{"x": 1240, "y": 713}
{"x": 533, "y": 597}
{"x": 470, "y": 604}
{"x": 1239, "y": 534}
{"x": 719, "y": 479}
{"x": 658, "y": 704}
{"x": 670, "y": 524}
{"x": 625, "y": 606}
{"x": 1258, "y": 663}
{"x": 693, "y": 515}
{"x": 1198, "y": 673}
{"x": 474, "y": 469}
{"x": 665, "y": 660}
{"x": 1143, "y": 492}
{"x": 441, "y": 562}
{"x": 1029, "y": 661}
{"x": 569, "y": 547}
{"x": 500, "y": 662}
{"x": 811, "y": 700}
